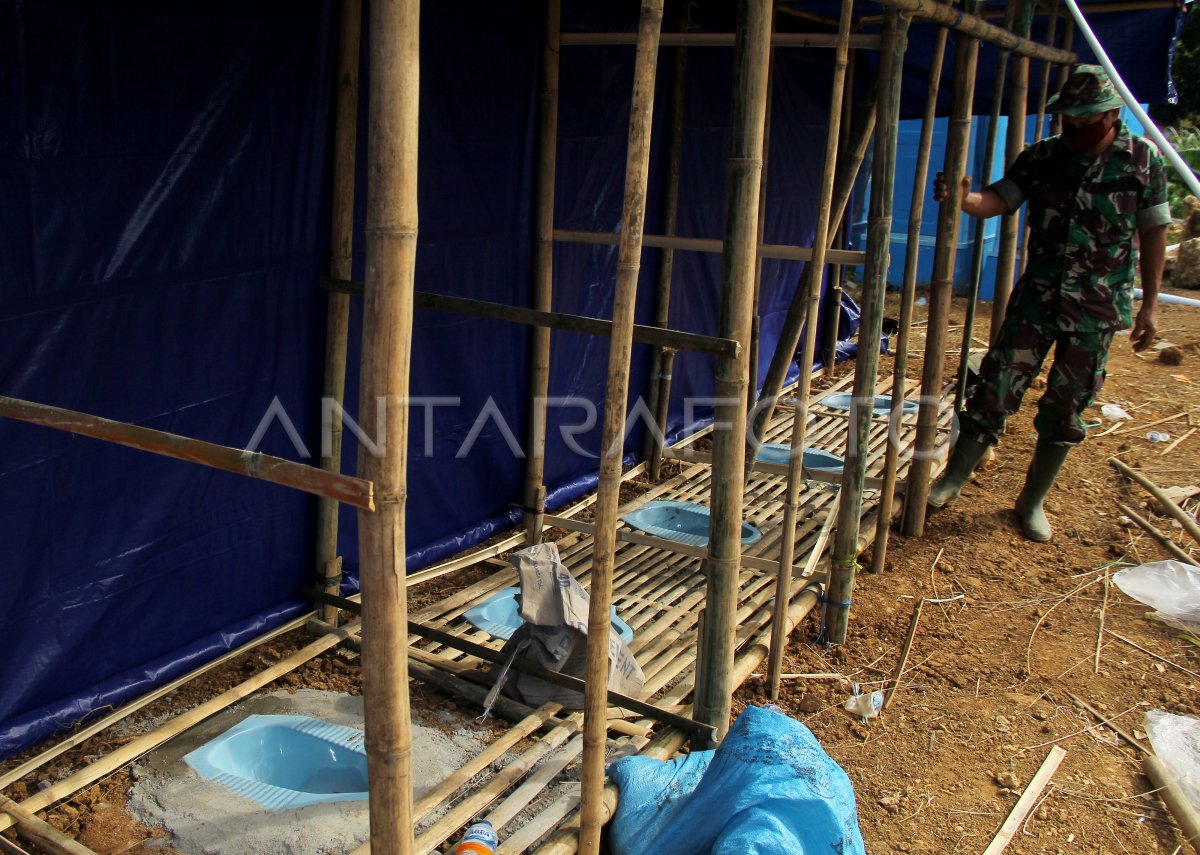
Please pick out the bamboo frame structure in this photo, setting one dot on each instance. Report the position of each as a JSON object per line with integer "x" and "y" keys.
{"x": 942, "y": 284}
{"x": 804, "y": 385}
{"x": 792, "y": 40}
{"x": 358, "y": 492}
{"x": 341, "y": 262}
{"x": 767, "y": 250}
{"x": 797, "y": 313}
{"x": 879, "y": 231}
{"x": 972, "y": 25}
{"x": 834, "y": 301}
{"x": 543, "y": 274}
{"x": 662, "y": 359}
{"x": 1010, "y": 222}
{"x": 391, "y": 253}
{"x": 912, "y": 255}
{"x": 637, "y": 167}
{"x": 713, "y": 696}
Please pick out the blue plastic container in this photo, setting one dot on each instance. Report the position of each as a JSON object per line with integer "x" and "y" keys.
{"x": 683, "y": 522}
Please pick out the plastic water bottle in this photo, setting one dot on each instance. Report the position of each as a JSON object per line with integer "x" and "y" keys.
{"x": 480, "y": 839}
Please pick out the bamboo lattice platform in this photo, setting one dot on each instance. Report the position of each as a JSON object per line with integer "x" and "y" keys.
{"x": 659, "y": 594}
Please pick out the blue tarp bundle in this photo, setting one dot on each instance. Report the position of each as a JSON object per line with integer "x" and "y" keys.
{"x": 164, "y": 175}
{"x": 769, "y": 788}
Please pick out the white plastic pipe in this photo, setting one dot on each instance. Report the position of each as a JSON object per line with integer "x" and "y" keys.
{"x": 1169, "y": 298}
{"x": 1152, "y": 131}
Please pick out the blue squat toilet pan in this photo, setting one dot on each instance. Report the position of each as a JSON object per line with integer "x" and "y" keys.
{"x": 815, "y": 459}
{"x": 286, "y": 761}
{"x": 500, "y": 616}
{"x": 683, "y": 522}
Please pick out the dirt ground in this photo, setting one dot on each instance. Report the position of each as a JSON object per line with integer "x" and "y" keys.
{"x": 992, "y": 678}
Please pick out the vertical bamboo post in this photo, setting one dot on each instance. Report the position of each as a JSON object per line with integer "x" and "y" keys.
{"x": 1040, "y": 125}
{"x": 662, "y": 358}
{"x": 958, "y": 141}
{"x": 341, "y": 259}
{"x": 543, "y": 274}
{"x": 797, "y": 313}
{"x": 979, "y": 241}
{"x": 879, "y": 231}
{"x": 1006, "y": 260}
{"x": 833, "y": 303}
{"x": 1064, "y": 71}
{"x": 912, "y": 254}
{"x": 387, "y": 340}
{"x": 755, "y": 317}
{"x": 752, "y": 51}
{"x": 629, "y": 261}
{"x": 791, "y": 501}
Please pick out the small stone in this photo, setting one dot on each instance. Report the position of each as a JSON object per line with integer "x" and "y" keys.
{"x": 1008, "y": 780}
{"x": 958, "y": 829}
{"x": 1171, "y": 355}
{"x": 809, "y": 704}
{"x": 1040, "y": 715}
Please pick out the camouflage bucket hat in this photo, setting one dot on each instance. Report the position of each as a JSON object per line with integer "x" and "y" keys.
{"x": 1087, "y": 91}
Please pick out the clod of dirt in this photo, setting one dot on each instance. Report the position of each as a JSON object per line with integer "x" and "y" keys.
{"x": 1171, "y": 355}
{"x": 1008, "y": 780}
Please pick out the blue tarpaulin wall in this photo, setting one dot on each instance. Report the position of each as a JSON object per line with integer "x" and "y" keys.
{"x": 164, "y": 176}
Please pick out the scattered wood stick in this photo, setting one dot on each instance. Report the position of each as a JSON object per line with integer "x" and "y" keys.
{"x": 894, "y": 683}
{"x": 1185, "y": 519}
{"x": 1158, "y": 536}
{"x": 40, "y": 832}
{"x": 1149, "y": 424}
{"x": 1024, "y": 804}
{"x": 1037, "y": 626}
{"x": 1178, "y": 440}
{"x": 1168, "y": 790}
{"x": 1109, "y": 723}
{"x": 839, "y": 678}
{"x": 1151, "y": 654}
{"x": 1100, "y": 631}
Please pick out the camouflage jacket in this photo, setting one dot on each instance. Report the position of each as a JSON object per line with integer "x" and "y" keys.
{"x": 1083, "y": 214}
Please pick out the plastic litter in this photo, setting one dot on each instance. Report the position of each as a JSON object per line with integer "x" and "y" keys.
{"x": 1158, "y": 436}
{"x": 1114, "y": 413}
{"x": 1176, "y": 742}
{"x": 865, "y": 705}
{"x": 480, "y": 839}
{"x": 769, "y": 787}
{"x": 1171, "y": 587}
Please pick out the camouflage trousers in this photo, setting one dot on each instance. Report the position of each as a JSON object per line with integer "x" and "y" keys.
{"x": 1016, "y": 359}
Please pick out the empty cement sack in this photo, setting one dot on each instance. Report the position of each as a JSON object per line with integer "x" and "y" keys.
{"x": 554, "y": 608}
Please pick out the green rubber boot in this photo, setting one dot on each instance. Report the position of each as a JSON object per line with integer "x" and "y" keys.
{"x": 1047, "y": 460}
{"x": 963, "y": 459}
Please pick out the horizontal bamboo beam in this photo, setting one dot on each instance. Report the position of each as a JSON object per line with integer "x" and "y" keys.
{"x": 762, "y": 565}
{"x": 694, "y": 342}
{"x": 38, "y": 831}
{"x": 816, "y": 40}
{"x": 691, "y": 244}
{"x": 973, "y": 25}
{"x": 344, "y": 488}
{"x": 487, "y": 654}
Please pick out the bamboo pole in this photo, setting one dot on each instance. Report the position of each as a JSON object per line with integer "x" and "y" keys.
{"x": 941, "y": 287}
{"x": 310, "y": 479}
{"x": 543, "y": 274}
{"x": 755, "y": 319}
{"x": 1006, "y": 259}
{"x": 1064, "y": 71}
{"x": 784, "y": 252}
{"x": 752, "y": 54}
{"x": 973, "y": 25}
{"x": 38, "y": 831}
{"x": 341, "y": 262}
{"x": 804, "y": 386}
{"x": 1039, "y": 125}
{"x": 1185, "y": 814}
{"x": 797, "y": 314}
{"x": 1178, "y": 513}
{"x": 979, "y": 241}
{"x": 789, "y": 40}
{"x": 833, "y": 303}
{"x": 912, "y": 255}
{"x": 879, "y": 230}
{"x": 628, "y": 264}
{"x": 663, "y": 358}
{"x": 1156, "y": 535}
{"x": 391, "y": 254}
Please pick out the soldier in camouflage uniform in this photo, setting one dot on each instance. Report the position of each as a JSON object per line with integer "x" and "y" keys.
{"x": 1090, "y": 190}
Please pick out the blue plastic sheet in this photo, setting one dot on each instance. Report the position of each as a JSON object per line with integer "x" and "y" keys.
{"x": 769, "y": 788}
{"x": 164, "y": 170}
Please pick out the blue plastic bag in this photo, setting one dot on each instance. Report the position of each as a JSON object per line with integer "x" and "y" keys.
{"x": 769, "y": 788}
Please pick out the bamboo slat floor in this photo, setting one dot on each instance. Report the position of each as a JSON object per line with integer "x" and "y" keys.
{"x": 659, "y": 593}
